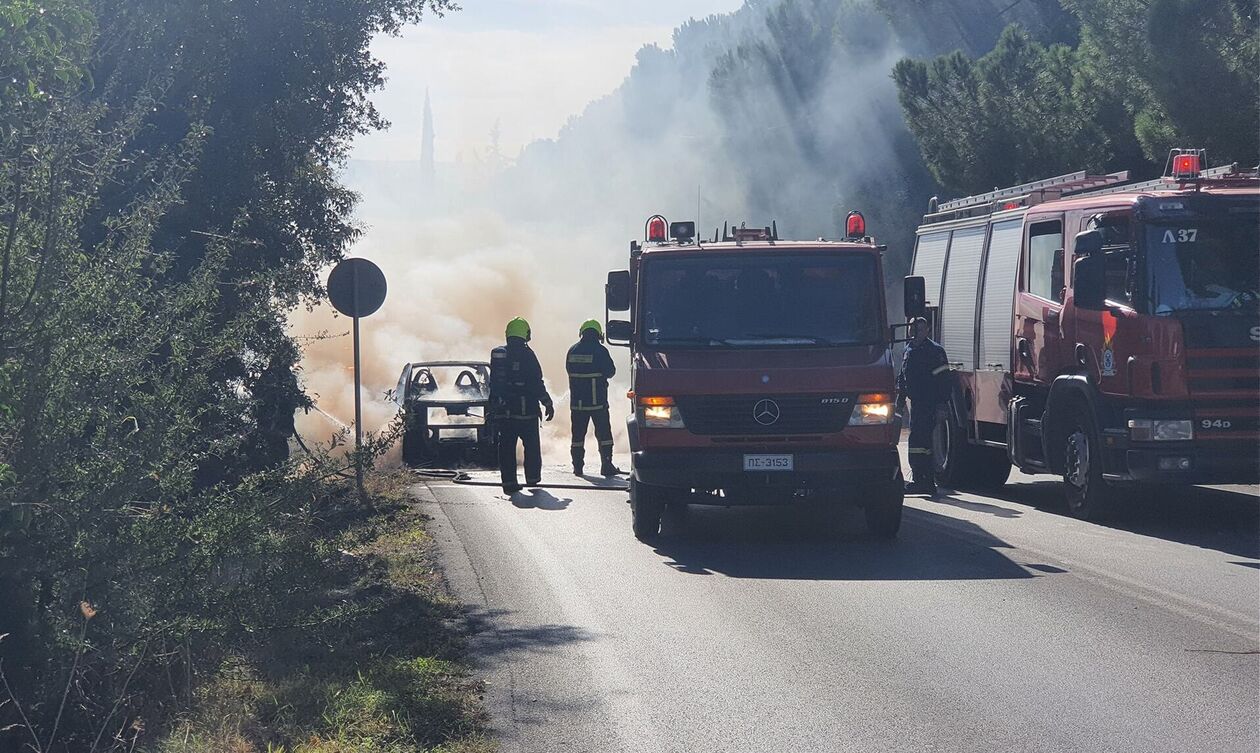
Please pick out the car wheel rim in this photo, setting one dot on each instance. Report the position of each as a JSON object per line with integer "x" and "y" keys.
{"x": 1077, "y": 460}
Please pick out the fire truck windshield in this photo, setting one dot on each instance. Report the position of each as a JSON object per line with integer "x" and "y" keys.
{"x": 1203, "y": 264}
{"x": 773, "y": 300}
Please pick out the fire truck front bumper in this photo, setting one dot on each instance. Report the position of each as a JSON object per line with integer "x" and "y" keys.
{"x": 843, "y": 471}
{"x": 1187, "y": 464}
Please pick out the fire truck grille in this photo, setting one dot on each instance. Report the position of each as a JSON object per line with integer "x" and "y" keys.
{"x": 1224, "y": 371}
{"x": 766, "y": 414}
{"x": 1227, "y": 420}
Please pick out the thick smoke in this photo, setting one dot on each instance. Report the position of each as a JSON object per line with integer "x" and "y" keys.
{"x": 742, "y": 120}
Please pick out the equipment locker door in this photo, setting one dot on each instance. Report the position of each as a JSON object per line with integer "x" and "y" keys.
{"x": 993, "y": 380}
{"x": 1039, "y": 305}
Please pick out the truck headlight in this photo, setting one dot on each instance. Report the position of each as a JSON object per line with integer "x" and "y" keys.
{"x": 1160, "y": 430}
{"x": 874, "y": 409}
{"x": 660, "y": 413}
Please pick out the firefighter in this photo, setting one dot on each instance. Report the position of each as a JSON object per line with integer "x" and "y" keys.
{"x": 924, "y": 379}
{"x": 590, "y": 367}
{"x": 516, "y": 392}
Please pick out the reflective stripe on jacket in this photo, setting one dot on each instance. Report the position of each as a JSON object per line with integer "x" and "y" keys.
{"x": 590, "y": 367}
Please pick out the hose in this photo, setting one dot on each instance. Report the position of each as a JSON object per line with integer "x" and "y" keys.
{"x": 463, "y": 479}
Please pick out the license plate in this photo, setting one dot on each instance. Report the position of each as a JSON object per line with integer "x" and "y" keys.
{"x": 768, "y": 463}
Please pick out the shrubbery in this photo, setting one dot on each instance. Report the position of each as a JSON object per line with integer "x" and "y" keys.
{"x": 167, "y": 193}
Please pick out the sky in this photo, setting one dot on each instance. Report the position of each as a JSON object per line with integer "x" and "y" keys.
{"x": 528, "y": 65}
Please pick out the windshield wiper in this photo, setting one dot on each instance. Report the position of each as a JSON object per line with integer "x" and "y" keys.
{"x": 691, "y": 340}
{"x": 811, "y": 339}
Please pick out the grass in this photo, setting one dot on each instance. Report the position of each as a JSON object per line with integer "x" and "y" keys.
{"x": 372, "y": 663}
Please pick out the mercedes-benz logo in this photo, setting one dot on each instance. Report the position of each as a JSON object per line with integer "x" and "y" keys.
{"x": 766, "y": 412}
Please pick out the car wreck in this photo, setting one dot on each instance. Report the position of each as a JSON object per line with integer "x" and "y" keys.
{"x": 444, "y": 405}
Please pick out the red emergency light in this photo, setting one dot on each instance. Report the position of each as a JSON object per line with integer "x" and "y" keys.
{"x": 855, "y": 225}
{"x": 657, "y": 230}
{"x": 1186, "y": 166}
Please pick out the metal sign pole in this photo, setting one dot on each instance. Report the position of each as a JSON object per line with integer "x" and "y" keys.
{"x": 356, "y": 288}
{"x": 358, "y": 418}
{"x": 358, "y": 399}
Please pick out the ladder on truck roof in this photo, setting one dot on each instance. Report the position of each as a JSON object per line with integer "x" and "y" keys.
{"x": 1224, "y": 171}
{"x": 1023, "y": 195}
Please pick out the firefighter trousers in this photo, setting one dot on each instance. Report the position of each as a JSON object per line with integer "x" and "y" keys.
{"x": 922, "y": 427}
{"x": 603, "y": 434}
{"x": 526, "y": 430}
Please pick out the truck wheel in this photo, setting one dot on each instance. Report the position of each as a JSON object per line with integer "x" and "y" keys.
{"x": 950, "y": 453}
{"x": 883, "y": 512}
{"x": 1086, "y": 492}
{"x": 646, "y": 506}
{"x": 990, "y": 467}
{"x": 960, "y": 465}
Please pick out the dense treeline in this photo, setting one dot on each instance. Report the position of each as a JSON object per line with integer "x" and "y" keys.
{"x": 167, "y": 194}
{"x": 1136, "y": 78}
{"x": 799, "y": 110}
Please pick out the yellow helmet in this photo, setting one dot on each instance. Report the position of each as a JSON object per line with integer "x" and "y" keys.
{"x": 592, "y": 324}
{"x": 518, "y": 327}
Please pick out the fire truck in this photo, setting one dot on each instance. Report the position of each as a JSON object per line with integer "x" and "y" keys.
{"x": 761, "y": 372}
{"x": 1101, "y": 330}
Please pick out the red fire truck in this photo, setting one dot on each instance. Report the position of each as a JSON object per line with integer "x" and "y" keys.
{"x": 761, "y": 372}
{"x": 1104, "y": 331}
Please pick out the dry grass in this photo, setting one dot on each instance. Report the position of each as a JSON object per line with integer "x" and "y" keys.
{"x": 385, "y": 677}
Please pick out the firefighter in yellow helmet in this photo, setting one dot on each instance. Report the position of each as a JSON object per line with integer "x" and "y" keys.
{"x": 590, "y": 367}
{"x": 516, "y": 394}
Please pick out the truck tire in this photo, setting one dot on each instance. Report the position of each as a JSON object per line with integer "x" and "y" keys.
{"x": 961, "y": 465}
{"x": 883, "y": 511}
{"x": 949, "y": 452}
{"x": 647, "y": 503}
{"x": 990, "y": 467}
{"x": 1086, "y": 494}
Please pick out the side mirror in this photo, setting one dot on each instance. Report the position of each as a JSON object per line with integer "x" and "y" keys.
{"x": 1088, "y": 242}
{"x": 892, "y": 334}
{"x": 617, "y": 291}
{"x": 1089, "y": 282}
{"x": 620, "y": 332}
{"x": 914, "y": 297}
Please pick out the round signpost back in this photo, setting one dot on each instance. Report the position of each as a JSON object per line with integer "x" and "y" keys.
{"x": 356, "y": 287}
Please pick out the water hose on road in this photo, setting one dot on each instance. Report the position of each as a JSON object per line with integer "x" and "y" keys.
{"x": 463, "y": 479}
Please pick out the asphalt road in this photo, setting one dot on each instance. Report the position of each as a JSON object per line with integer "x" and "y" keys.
{"x": 993, "y": 623}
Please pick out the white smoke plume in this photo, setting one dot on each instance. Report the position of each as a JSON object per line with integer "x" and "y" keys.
{"x": 535, "y": 236}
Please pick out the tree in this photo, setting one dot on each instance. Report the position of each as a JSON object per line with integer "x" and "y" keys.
{"x": 1146, "y": 76}
{"x": 167, "y": 193}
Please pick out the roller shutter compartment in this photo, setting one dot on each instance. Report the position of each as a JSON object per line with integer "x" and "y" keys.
{"x": 958, "y": 309}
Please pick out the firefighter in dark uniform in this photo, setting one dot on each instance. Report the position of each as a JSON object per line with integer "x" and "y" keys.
{"x": 516, "y": 392}
{"x": 924, "y": 379}
{"x": 590, "y": 367}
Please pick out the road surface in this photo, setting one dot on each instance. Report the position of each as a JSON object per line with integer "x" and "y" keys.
{"x": 993, "y": 623}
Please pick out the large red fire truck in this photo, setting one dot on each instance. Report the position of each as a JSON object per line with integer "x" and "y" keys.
{"x": 761, "y": 372}
{"x": 1100, "y": 330}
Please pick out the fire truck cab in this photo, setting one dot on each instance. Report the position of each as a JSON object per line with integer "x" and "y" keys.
{"x": 761, "y": 372}
{"x": 1100, "y": 330}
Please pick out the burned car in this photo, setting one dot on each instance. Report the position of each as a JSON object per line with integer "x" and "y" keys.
{"x": 445, "y": 412}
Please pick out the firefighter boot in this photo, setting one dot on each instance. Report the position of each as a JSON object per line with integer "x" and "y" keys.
{"x": 579, "y": 457}
{"x": 923, "y": 481}
{"x": 607, "y": 468}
